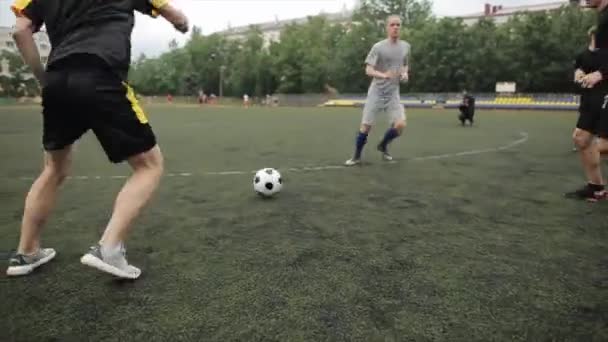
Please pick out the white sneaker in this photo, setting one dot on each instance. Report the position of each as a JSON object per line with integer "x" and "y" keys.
{"x": 21, "y": 264}
{"x": 115, "y": 265}
{"x": 352, "y": 162}
{"x": 387, "y": 157}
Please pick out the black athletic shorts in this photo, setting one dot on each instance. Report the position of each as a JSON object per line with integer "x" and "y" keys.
{"x": 593, "y": 114}
{"x": 82, "y": 93}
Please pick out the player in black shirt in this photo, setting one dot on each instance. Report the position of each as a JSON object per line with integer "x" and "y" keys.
{"x": 84, "y": 87}
{"x": 586, "y": 62}
{"x": 467, "y": 108}
{"x": 594, "y": 109}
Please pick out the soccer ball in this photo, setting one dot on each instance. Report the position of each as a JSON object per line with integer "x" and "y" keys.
{"x": 267, "y": 182}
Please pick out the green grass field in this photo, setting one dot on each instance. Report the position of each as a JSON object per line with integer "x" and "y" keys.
{"x": 475, "y": 246}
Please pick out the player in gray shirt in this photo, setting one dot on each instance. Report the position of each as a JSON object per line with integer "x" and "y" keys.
{"x": 387, "y": 63}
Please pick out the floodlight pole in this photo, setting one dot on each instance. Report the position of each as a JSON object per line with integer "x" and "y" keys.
{"x": 222, "y": 68}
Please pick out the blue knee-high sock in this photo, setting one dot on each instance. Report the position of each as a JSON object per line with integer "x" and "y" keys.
{"x": 389, "y": 136}
{"x": 360, "y": 142}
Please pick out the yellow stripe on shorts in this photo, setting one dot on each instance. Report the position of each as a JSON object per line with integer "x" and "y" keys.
{"x": 141, "y": 116}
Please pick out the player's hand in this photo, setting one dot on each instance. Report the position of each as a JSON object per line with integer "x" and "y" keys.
{"x": 590, "y": 80}
{"x": 175, "y": 16}
{"x": 182, "y": 26}
{"x": 579, "y": 75}
{"x": 392, "y": 75}
{"x": 405, "y": 76}
{"x": 388, "y": 75}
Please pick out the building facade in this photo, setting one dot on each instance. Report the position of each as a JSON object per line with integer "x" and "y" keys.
{"x": 271, "y": 31}
{"x": 501, "y": 14}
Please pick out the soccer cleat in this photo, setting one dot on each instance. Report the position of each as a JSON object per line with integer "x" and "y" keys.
{"x": 353, "y": 162}
{"x": 21, "y": 264}
{"x": 115, "y": 265}
{"x": 588, "y": 194}
{"x": 385, "y": 155}
{"x": 598, "y": 196}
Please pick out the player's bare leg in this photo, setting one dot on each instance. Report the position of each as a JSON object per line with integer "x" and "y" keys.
{"x": 365, "y": 128}
{"x": 590, "y": 159}
{"x": 602, "y": 146}
{"x": 391, "y": 134}
{"x": 39, "y": 204}
{"x": 360, "y": 142}
{"x": 135, "y": 194}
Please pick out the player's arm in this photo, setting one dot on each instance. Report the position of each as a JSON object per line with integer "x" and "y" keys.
{"x": 164, "y": 8}
{"x": 175, "y": 16}
{"x": 370, "y": 65}
{"x": 590, "y": 80}
{"x": 405, "y": 70}
{"x": 372, "y": 72}
{"x": 405, "y": 73}
{"x": 579, "y": 74}
{"x": 24, "y": 39}
{"x": 604, "y": 67}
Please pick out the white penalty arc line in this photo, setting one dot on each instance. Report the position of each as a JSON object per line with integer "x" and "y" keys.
{"x": 524, "y": 138}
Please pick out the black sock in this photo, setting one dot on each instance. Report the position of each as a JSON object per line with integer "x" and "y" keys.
{"x": 359, "y": 143}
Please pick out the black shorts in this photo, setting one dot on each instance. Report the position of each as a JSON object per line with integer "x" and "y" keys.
{"x": 82, "y": 93}
{"x": 466, "y": 112}
{"x": 593, "y": 114}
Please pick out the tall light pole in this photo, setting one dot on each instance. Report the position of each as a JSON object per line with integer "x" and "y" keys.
{"x": 222, "y": 68}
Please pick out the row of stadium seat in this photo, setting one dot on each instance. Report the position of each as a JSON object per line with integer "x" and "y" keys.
{"x": 520, "y": 100}
{"x": 541, "y": 102}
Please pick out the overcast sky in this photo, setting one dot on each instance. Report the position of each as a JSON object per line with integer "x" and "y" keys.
{"x": 152, "y": 36}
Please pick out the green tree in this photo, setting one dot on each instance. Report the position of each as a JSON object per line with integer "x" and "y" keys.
{"x": 533, "y": 49}
{"x": 20, "y": 82}
{"x": 347, "y": 65}
{"x": 412, "y": 12}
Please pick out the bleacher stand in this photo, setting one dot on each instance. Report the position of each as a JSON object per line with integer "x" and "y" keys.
{"x": 484, "y": 101}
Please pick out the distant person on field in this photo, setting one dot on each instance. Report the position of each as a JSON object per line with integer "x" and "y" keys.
{"x": 467, "y": 108}
{"x": 387, "y": 64}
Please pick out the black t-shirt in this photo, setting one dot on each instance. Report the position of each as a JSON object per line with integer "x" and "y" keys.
{"x": 601, "y": 42}
{"x": 468, "y": 101}
{"x": 98, "y": 27}
{"x": 587, "y": 61}
{"x": 590, "y": 61}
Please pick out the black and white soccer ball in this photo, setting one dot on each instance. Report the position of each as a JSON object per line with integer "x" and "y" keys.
{"x": 267, "y": 182}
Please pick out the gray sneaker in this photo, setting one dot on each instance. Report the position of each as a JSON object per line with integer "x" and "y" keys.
{"x": 115, "y": 265}
{"x": 21, "y": 264}
{"x": 385, "y": 155}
